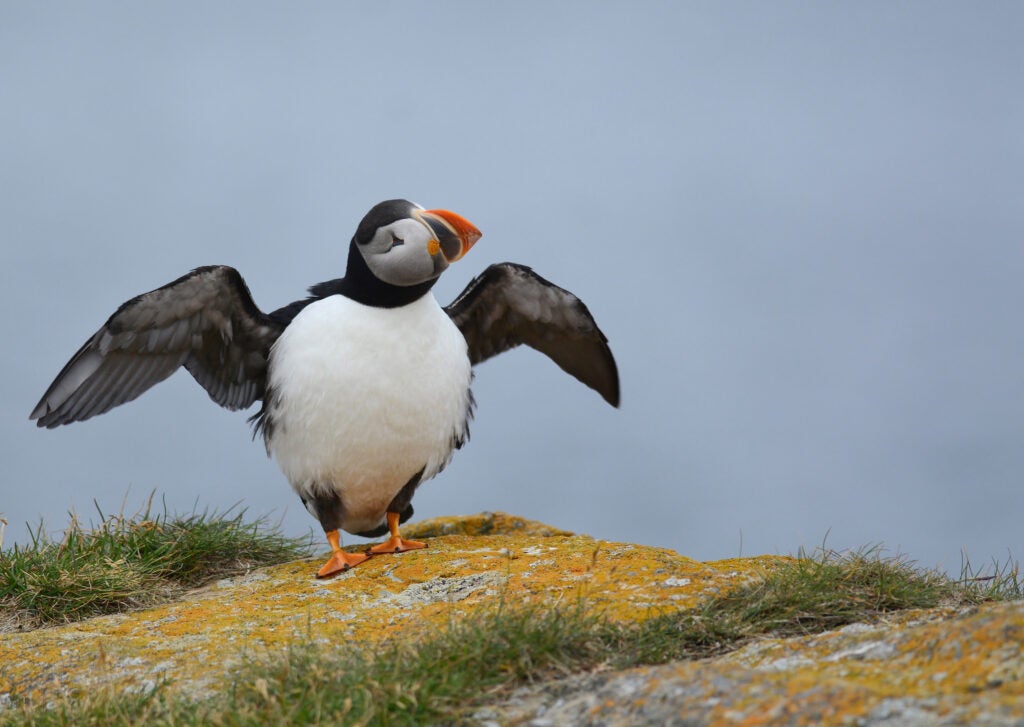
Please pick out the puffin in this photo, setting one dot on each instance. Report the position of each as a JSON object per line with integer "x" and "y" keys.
{"x": 364, "y": 385}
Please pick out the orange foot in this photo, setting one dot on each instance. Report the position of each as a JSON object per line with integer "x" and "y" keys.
{"x": 395, "y": 544}
{"x": 340, "y": 561}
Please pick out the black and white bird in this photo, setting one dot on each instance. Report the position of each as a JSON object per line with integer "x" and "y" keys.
{"x": 365, "y": 384}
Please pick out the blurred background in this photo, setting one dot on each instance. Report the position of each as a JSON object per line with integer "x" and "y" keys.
{"x": 800, "y": 227}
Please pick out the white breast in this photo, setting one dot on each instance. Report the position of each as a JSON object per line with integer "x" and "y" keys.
{"x": 364, "y": 398}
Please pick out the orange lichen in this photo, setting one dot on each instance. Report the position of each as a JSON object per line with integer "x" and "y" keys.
{"x": 469, "y": 562}
{"x": 949, "y": 659}
{"x": 916, "y": 667}
{"x": 944, "y": 659}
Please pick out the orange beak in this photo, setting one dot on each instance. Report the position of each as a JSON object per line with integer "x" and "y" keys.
{"x": 455, "y": 234}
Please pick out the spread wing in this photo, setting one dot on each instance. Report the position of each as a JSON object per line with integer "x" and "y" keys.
{"x": 205, "y": 321}
{"x": 509, "y": 304}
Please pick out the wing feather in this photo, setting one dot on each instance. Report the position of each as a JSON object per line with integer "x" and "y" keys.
{"x": 206, "y": 321}
{"x": 97, "y": 393}
{"x": 508, "y": 305}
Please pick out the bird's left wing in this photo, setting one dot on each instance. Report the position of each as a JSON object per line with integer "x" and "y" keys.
{"x": 508, "y": 305}
{"x": 205, "y": 321}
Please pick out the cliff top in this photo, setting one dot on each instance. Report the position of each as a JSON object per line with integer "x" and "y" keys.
{"x": 941, "y": 663}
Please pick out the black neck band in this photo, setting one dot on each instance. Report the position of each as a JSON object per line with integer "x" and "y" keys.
{"x": 364, "y": 287}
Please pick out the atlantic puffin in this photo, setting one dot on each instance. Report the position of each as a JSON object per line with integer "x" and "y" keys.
{"x": 364, "y": 384}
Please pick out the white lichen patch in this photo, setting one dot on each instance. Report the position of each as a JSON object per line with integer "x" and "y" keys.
{"x": 443, "y": 590}
{"x": 674, "y": 582}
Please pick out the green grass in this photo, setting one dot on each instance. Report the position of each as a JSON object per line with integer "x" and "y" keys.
{"x": 809, "y": 595}
{"x": 444, "y": 675}
{"x": 1003, "y": 583}
{"x": 435, "y": 679}
{"x": 128, "y": 562}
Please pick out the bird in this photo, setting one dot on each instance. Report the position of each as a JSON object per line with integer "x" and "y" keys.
{"x": 364, "y": 385}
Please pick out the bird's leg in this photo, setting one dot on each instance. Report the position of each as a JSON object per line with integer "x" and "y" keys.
{"x": 340, "y": 560}
{"x": 395, "y": 544}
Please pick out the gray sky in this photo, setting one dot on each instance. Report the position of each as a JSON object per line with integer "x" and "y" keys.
{"x": 799, "y": 224}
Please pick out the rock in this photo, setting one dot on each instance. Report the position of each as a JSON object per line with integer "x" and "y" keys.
{"x": 915, "y": 668}
{"x": 195, "y": 643}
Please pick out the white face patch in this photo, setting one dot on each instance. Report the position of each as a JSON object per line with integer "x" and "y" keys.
{"x": 398, "y": 254}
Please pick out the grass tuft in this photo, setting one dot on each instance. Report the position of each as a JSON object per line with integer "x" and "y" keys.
{"x": 1003, "y": 583}
{"x": 808, "y": 595}
{"x": 430, "y": 680}
{"x": 128, "y": 562}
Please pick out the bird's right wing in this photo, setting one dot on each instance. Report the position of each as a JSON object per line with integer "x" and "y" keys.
{"x": 509, "y": 304}
{"x": 206, "y": 321}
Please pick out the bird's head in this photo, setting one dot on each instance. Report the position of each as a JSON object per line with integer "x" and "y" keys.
{"x": 405, "y": 245}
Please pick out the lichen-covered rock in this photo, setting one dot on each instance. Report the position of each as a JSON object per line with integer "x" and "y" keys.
{"x": 918, "y": 668}
{"x": 195, "y": 644}
{"x": 939, "y": 666}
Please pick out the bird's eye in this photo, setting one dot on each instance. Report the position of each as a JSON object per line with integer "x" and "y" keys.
{"x": 396, "y": 240}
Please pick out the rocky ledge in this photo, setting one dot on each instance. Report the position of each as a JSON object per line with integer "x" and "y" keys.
{"x": 921, "y": 667}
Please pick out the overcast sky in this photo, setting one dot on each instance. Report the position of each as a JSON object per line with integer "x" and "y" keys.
{"x": 800, "y": 225}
